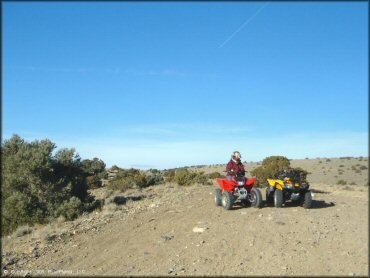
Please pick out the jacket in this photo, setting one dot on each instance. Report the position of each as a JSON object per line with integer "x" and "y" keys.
{"x": 233, "y": 167}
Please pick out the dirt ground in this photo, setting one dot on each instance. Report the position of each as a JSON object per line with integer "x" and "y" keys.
{"x": 171, "y": 230}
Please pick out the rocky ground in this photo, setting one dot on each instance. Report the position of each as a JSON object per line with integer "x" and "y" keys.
{"x": 171, "y": 230}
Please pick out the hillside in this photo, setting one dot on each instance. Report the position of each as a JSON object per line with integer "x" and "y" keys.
{"x": 173, "y": 230}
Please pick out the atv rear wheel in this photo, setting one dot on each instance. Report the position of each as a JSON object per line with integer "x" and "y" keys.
{"x": 218, "y": 197}
{"x": 307, "y": 203}
{"x": 227, "y": 200}
{"x": 278, "y": 198}
{"x": 256, "y": 198}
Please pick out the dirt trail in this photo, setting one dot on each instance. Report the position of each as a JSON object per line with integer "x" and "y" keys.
{"x": 154, "y": 236}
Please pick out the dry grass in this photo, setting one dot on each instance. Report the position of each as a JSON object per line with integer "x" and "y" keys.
{"x": 23, "y": 230}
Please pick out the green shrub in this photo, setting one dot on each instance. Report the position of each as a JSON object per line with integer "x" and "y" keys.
{"x": 94, "y": 166}
{"x": 341, "y": 182}
{"x": 128, "y": 178}
{"x": 37, "y": 184}
{"x": 154, "y": 171}
{"x": 154, "y": 179}
{"x": 71, "y": 209}
{"x": 363, "y": 167}
{"x": 93, "y": 182}
{"x": 23, "y": 230}
{"x": 328, "y": 160}
{"x": 270, "y": 167}
{"x": 215, "y": 175}
{"x": 120, "y": 184}
{"x": 186, "y": 177}
{"x": 169, "y": 175}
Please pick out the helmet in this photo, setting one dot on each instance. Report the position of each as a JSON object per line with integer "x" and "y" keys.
{"x": 236, "y": 155}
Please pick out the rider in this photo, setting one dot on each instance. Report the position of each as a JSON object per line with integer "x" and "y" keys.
{"x": 234, "y": 165}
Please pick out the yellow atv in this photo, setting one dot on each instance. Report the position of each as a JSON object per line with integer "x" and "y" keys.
{"x": 288, "y": 186}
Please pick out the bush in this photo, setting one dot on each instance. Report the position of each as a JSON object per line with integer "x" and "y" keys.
{"x": 94, "y": 166}
{"x": 270, "y": 168}
{"x": 169, "y": 175}
{"x": 93, "y": 182}
{"x": 154, "y": 179}
{"x": 37, "y": 185}
{"x": 120, "y": 184}
{"x": 186, "y": 177}
{"x": 23, "y": 230}
{"x": 71, "y": 209}
{"x": 128, "y": 178}
{"x": 215, "y": 175}
{"x": 341, "y": 182}
{"x": 154, "y": 171}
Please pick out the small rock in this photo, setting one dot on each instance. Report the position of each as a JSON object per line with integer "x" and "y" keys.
{"x": 21, "y": 262}
{"x": 170, "y": 270}
{"x": 198, "y": 230}
{"x": 260, "y": 215}
{"x": 166, "y": 237}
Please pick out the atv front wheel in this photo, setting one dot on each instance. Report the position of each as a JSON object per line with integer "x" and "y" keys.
{"x": 278, "y": 198}
{"x": 256, "y": 198}
{"x": 218, "y": 197}
{"x": 227, "y": 200}
{"x": 307, "y": 203}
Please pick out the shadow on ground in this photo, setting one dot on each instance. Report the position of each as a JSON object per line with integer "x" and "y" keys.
{"x": 121, "y": 200}
{"x": 319, "y": 191}
{"x": 318, "y": 204}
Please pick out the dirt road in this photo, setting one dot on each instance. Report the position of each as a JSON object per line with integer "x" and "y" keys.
{"x": 176, "y": 230}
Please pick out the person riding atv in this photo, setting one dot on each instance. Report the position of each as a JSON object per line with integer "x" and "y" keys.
{"x": 234, "y": 165}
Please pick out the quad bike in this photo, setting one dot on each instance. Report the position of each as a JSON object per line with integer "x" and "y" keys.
{"x": 240, "y": 189}
{"x": 288, "y": 186}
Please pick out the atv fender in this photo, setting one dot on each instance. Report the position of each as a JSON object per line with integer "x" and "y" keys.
{"x": 276, "y": 183}
{"x": 225, "y": 184}
{"x": 278, "y": 186}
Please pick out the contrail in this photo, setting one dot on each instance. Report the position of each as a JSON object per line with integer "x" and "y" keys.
{"x": 244, "y": 24}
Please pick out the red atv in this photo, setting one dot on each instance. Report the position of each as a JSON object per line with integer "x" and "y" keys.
{"x": 240, "y": 189}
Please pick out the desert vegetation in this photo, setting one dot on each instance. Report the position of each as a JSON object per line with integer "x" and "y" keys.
{"x": 270, "y": 168}
{"x": 39, "y": 184}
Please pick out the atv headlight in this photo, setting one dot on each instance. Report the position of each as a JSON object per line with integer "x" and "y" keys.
{"x": 240, "y": 182}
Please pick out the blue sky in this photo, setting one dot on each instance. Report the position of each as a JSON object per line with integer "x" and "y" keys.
{"x": 162, "y": 84}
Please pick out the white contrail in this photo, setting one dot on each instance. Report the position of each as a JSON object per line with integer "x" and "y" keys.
{"x": 244, "y": 24}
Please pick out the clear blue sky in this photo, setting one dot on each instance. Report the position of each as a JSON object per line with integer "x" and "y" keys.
{"x": 159, "y": 84}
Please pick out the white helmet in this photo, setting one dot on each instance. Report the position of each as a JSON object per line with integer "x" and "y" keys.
{"x": 236, "y": 155}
